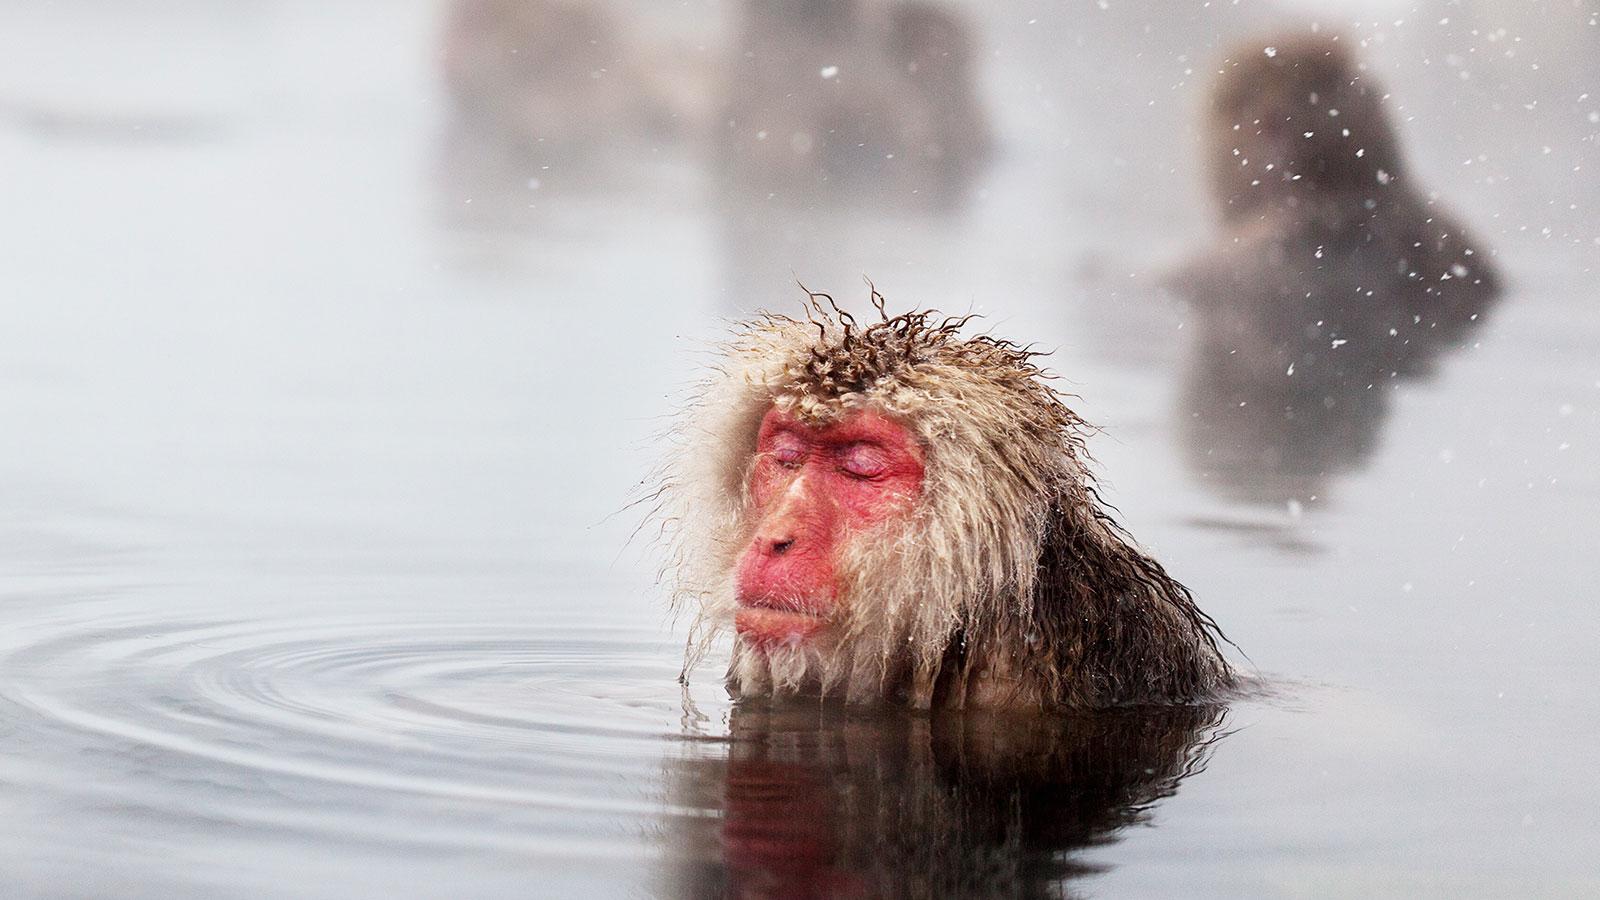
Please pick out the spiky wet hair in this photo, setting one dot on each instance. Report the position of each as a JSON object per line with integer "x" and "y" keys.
{"x": 1009, "y": 582}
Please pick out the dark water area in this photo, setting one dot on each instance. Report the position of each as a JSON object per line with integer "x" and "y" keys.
{"x": 325, "y": 392}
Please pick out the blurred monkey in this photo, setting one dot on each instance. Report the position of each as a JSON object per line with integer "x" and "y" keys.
{"x": 1334, "y": 275}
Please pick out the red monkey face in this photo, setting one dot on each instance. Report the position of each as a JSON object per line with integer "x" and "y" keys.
{"x": 813, "y": 490}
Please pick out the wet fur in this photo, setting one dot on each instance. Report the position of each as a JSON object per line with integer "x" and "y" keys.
{"x": 1010, "y": 585}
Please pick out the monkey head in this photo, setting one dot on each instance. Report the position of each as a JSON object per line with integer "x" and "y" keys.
{"x": 930, "y": 39}
{"x": 894, "y": 511}
{"x": 1296, "y": 119}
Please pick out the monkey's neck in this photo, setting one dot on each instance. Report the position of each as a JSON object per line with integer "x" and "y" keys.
{"x": 988, "y": 681}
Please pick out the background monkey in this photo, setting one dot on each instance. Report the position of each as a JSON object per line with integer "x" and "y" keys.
{"x": 1333, "y": 275}
{"x": 846, "y": 100}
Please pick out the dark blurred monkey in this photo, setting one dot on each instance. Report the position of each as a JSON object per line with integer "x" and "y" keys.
{"x": 1309, "y": 183}
{"x": 945, "y": 124}
{"x": 560, "y": 73}
{"x": 854, "y": 99}
{"x": 1334, "y": 274}
{"x": 549, "y": 96}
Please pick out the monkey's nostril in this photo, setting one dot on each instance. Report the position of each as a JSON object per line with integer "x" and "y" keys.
{"x": 778, "y": 547}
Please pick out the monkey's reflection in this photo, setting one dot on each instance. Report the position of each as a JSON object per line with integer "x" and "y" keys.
{"x": 1334, "y": 280}
{"x": 816, "y": 802}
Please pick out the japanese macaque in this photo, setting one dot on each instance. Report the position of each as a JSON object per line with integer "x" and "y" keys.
{"x": 562, "y": 75}
{"x": 891, "y": 511}
{"x": 846, "y": 99}
{"x": 816, "y": 803}
{"x": 555, "y": 98}
{"x": 1333, "y": 277}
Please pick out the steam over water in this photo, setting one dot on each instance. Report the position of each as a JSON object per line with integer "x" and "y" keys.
{"x": 321, "y": 414}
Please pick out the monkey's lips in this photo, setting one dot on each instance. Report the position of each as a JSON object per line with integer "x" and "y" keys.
{"x": 773, "y": 622}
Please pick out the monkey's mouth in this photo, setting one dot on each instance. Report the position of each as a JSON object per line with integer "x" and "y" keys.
{"x": 773, "y": 622}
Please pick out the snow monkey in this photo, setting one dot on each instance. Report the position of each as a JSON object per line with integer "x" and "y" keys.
{"x": 894, "y": 512}
{"x": 1333, "y": 278}
{"x": 1325, "y": 233}
{"x": 849, "y": 100}
{"x": 558, "y": 76}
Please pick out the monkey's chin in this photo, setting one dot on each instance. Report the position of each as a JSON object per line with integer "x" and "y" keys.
{"x": 772, "y": 628}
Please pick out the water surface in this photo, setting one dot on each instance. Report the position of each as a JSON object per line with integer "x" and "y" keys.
{"x": 318, "y": 437}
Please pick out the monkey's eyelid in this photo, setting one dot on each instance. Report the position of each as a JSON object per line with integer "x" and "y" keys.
{"x": 787, "y": 457}
{"x": 862, "y": 463}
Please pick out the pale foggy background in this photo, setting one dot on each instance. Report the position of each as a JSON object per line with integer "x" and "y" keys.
{"x": 319, "y": 422}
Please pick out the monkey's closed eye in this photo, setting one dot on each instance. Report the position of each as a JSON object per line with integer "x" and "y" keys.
{"x": 863, "y": 461}
{"x": 785, "y": 449}
{"x": 788, "y": 457}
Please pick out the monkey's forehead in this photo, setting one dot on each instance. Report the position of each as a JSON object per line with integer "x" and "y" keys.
{"x": 821, "y": 409}
{"x": 821, "y": 384}
{"x": 915, "y": 399}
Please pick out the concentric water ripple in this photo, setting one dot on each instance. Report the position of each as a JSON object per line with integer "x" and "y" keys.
{"x": 544, "y": 738}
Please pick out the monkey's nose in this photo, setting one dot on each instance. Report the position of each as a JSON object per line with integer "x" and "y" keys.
{"x": 774, "y": 541}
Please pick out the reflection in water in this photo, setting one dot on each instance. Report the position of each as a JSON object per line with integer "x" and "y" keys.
{"x": 816, "y": 801}
{"x": 1335, "y": 276}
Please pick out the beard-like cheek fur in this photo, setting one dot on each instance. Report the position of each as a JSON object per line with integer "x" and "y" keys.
{"x": 857, "y": 669}
{"x": 888, "y": 637}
